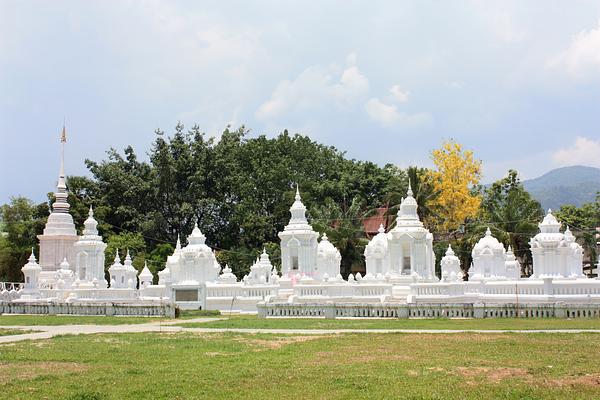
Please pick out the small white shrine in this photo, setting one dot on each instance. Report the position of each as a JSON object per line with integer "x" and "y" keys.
{"x": 489, "y": 259}
{"x": 450, "y": 265}
{"x": 555, "y": 254}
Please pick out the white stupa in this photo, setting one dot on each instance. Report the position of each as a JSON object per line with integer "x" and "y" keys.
{"x": 89, "y": 267}
{"x": 193, "y": 264}
{"x": 488, "y": 259}
{"x": 298, "y": 243}
{"x": 328, "y": 259}
{"x": 555, "y": 254}
{"x": 450, "y": 265}
{"x": 59, "y": 236}
{"x": 408, "y": 255}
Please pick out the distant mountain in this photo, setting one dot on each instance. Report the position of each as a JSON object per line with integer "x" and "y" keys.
{"x": 568, "y": 185}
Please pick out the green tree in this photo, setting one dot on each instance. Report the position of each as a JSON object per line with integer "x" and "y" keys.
{"x": 22, "y": 221}
{"x": 343, "y": 226}
{"x": 511, "y": 214}
{"x": 583, "y": 222}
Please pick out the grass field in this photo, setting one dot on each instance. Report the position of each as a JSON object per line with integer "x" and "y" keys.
{"x": 236, "y": 366}
{"x": 250, "y": 321}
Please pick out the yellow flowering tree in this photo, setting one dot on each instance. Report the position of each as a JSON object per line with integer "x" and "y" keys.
{"x": 454, "y": 178}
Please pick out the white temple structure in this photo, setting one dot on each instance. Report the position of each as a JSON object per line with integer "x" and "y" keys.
{"x": 298, "y": 243}
{"x": 89, "y": 255}
{"x": 450, "y": 265}
{"x": 400, "y": 270}
{"x": 489, "y": 258}
{"x": 59, "y": 236}
{"x": 555, "y": 254}
{"x": 404, "y": 254}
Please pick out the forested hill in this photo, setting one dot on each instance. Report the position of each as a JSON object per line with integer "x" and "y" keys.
{"x": 568, "y": 185}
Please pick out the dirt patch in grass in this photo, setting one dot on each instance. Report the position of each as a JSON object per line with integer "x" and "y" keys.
{"x": 277, "y": 341}
{"x": 218, "y": 354}
{"x": 495, "y": 375}
{"x": 592, "y": 380}
{"x": 358, "y": 356}
{"x": 31, "y": 370}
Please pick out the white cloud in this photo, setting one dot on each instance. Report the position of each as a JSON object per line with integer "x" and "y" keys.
{"x": 398, "y": 94}
{"x": 315, "y": 87}
{"x": 582, "y": 58}
{"x": 583, "y": 152}
{"x": 388, "y": 115}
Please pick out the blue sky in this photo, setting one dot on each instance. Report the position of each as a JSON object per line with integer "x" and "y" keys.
{"x": 517, "y": 82}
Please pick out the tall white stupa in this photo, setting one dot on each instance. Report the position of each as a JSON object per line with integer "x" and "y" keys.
{"x": 56, "y": 243}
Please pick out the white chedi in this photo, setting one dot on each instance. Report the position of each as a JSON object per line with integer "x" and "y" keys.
{"x": 376, "y": 253}
{"x": 117, "y": 273}
{"x": 193, "y": 264}
{"x": 488, "y": 259}
{"x": 328, "y": 259}
{"x": 513, "y": 266}
{"x": 405, "y": 253}
{"x": 89, "y": 250}
{"x": 59, "y": 235}
{"x": 555, "y": 254}
{"x": 227, "y": 276}
{"x": 260, "y": 271}
{"x": 298, "y": 243}
{"x": 64, "y": 277}
{"x": 31, "y": 273}
{"x": 145, "y": 277}
{"x": 450, "y": 265}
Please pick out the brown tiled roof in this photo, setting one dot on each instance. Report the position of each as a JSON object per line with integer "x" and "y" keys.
{"x": 371, "y": 224}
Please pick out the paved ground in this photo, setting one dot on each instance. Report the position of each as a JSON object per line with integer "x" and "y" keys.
{"x": 47, "y": 332}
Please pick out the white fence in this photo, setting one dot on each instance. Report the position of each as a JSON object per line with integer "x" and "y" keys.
{"x": 109, "y": 309}
{"x": 467, "y": 310}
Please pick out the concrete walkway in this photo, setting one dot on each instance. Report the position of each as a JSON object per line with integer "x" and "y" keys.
{"x": 47, "y": 332}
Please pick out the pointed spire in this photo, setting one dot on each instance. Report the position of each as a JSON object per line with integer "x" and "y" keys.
{"x": 381, "y": 229}
{"x": 32, "y": 256}
{"x": 449, "y": 251}
{"x": 91, "y": 212}
{"x": 298, "y": 198}
{"x": 488, "y": 232}
{"x": 324, "y": 236}
{"x": 60, "y": 204}
{"x": 117, "y": 258}
{"x": 178, "y": 244}
{"x": 549, "y": 211}
{"x": 409, "y": 193}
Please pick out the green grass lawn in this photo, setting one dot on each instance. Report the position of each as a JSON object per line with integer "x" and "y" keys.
{"x": 344, "y": 366}
{"x": 251, "y": 321}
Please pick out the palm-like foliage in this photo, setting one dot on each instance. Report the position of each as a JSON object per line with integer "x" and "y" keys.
{"x": 343, "y": 226}
{"x": 422, "y": 192}
{"x": 511, "y": 214}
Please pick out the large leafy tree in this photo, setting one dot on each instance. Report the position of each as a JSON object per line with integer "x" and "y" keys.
{"x": 238, "y": 189}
